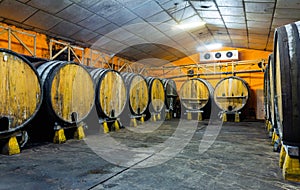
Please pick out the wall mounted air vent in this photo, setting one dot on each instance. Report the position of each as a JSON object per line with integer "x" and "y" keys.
{"x": 230, "y": 55}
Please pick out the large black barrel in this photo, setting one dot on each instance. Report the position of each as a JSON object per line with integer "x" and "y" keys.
{"x": 287, "y": 82}
{"x": 269, "y": 92}
{"x": 156, "y": 96}
{"x": 170, "y": 93}
{"x": 110, "y": 93}
{"x": 20, "y": 92}
{"x": 68, "y": 92}
{"x": 231, "y": 94}
{"x": 197, "y": 94}
{"x": 137, "y": 93}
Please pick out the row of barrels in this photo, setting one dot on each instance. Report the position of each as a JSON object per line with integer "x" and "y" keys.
{"x": 62, "y": 94}
{"x": 230, "y": 95}
{"x": 281, "y": 95}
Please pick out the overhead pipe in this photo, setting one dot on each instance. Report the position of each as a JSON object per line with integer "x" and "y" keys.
{"x": 218, "y": 73}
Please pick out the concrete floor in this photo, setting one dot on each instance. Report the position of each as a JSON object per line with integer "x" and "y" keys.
{"x": 146, "y": 157}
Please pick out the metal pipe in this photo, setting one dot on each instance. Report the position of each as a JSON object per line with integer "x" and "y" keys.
{"x": 219, "y": 73}
{"x": 246, "y": 62}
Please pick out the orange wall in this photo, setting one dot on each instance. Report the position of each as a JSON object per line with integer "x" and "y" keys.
{"x": 42, "y": 48}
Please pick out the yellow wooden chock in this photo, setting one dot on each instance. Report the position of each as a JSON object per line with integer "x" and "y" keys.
{"x": 116, "y": 125}
{"x": 224, "y": 117}
{"x": 158, "y": 116}
{"x": 275, "y": 137}
{"x": 168, "y": 115}
{"x": 105, "y": 127}
{"x": 189, "y": 116}
{"x": 133, "y": 122}
{"x": 142, "y": 119}
{"x": 200, "y": 116}
{"x": 153, "y": 117}
{"x": 79, "y": 133}
{"x": 237, "y": 117}
{"x": 269, "y": 126}
{"x": 11, "y": 147}
{"x": 59, "y": 136}
{"x": 291, "y": 169}
{"x": 282, "y": 156}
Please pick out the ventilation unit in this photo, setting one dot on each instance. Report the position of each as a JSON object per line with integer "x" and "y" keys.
{"x": 229, "y": 55}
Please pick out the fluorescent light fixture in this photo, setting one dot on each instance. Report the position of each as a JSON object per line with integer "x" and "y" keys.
{"x": 209, "y": 47}
{"x": 190, "y": 25}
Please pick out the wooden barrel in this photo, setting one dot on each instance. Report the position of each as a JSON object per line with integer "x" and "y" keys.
{"x": 271, "y": 92}
{"x": 137, "y": 93}
{"x": 68, "y": 91}
{"x": 110, "y": 93}
{"x": 231, "y": 94}
{"x": 156, "y": 95}
{"x": 266, "y": 89}
{"x": 287, "y": 82}
{"x": 195, "y": 94}
{"x": 20, "y": 92}
{"x": 170, "y": 93}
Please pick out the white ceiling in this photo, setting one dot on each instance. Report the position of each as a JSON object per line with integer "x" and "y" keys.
{"x": 139, "y": 29}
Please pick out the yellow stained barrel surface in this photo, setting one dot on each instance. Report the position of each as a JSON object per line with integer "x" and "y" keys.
{"x": 112, "y": 94}
{"x": 231, "y": 94}
{"x": 138, "y": 95}
{"x": 272, "y": 91}
{"x": 157, "y": 95}
{"x": 194, "y": 94}
{"x": 278, "y": 85}
{"x": 72, "y": 91}
{"x": 20, "y": 92}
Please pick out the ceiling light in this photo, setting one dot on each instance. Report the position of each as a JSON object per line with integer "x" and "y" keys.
{"x": 190, "y": 25}
{"x": 210, "y": 47}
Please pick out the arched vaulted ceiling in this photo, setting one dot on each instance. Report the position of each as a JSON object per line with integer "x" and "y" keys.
{"x": 137, "y": 29}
